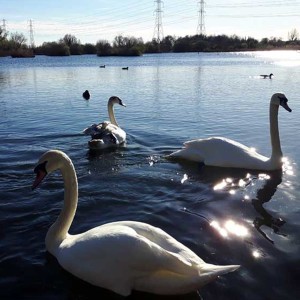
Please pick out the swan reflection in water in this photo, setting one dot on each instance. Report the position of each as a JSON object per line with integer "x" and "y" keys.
{"x": 232, "y": 181}
{"x": 263, "y": 196}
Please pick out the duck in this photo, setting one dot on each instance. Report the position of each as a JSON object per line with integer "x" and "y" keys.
{"x": 125, "y": 68}
{"x": 107, "y": 134}
{"x": 267, "y": 76}
{"x": 120, "y": 256}
{"x": 102, "y": 66}
{"x": 224, "y": 152}
{"x": 86, "y": 95}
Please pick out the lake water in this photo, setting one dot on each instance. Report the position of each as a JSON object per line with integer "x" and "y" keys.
{"x": 252, "y": 219}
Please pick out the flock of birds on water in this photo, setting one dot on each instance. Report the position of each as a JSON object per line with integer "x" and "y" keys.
{"x": 128, "y": 255}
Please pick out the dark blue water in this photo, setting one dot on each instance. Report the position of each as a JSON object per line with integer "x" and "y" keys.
{"x": 225, "y": 216}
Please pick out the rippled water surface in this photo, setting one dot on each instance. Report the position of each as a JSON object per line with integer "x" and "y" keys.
{"x": 226, "y": 216}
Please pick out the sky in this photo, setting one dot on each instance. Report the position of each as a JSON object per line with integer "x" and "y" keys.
{"x": 94, "y": 20}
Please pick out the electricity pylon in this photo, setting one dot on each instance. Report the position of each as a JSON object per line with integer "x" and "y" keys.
{"x": 158, "y": 29}
{"x": 31, "y": 38}
{"x": 201, "y": 26}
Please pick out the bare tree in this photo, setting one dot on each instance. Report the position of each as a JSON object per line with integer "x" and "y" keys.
{"x": 103, "y": 48}
{"x": 3, "y": 34}
{"x": 69, "y": 40}
{"x": 18, "y": 40}
{"x": 293, "y": 35}
{"x": 119, "y": 41}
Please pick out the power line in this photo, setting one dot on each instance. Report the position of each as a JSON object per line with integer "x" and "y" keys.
{"x": 288, "y": 15}
{"x": 140, "y": 17}
{"x": 255, "y": 4}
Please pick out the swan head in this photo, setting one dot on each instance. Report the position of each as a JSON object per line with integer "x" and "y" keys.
{"x": 280, "y": 99}
{"x": 48, "y": 162}
{"x": 116, "y": 100}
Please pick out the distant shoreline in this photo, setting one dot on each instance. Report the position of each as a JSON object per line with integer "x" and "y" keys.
{"x": 131, "y": 46}
{"x": 30, "y": 54}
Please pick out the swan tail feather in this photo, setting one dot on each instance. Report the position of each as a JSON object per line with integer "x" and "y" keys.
{"x": 209, "y": 273}
{"x": 216, "y": 270}
{"x": 162, "y": 281}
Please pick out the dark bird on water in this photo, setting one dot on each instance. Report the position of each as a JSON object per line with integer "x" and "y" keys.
{"x": 102, "y": 66}
{"x": 267, "y": 76}
{"x": 86, "y": 95}
{"x": 125, "y": 68}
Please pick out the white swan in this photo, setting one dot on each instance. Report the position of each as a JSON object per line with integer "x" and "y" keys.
{"x": 120, "y": 256}
{"x": 107, "y": 134}
{"x": 223, "y": 152}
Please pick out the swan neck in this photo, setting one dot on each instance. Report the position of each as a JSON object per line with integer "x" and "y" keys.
{"x": 274, "y": 132}
{"x": 59, "y": 230}
{"x": 111, "y": 113}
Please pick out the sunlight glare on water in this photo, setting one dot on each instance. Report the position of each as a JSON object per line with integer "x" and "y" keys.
{"x": 285, "y": 58}
{"x": 263, "y": 176}
{"x": 184, "y": 178}
{"x": 287, "y": 167}
{"x": 256, "y": 254}
{"x": 230, "y": 228}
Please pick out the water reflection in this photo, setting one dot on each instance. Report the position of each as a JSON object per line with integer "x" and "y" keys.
{"x": 287, "y": 58}
{"x": 231, "y": 184}
{"x": 230, "y": 227}
{"x": 263, "y": 196}
{"x": 233, "y": 181}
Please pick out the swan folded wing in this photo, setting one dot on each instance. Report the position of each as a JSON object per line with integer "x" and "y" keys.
{"x": 119, "y": 133}
{"x": 123, "y": 247}
{"x": 89, "y": 130}
{"x": 114, "y": 256}
{"x": 122, "y": 244}
{"x": 104, "y": 130}
{"x": 160, "y": 237}
{"x": 98, "y": 128}
{"x": 93, "y": 129}
{"x": 223, "y": 152}
{"x": 163, "y": 265}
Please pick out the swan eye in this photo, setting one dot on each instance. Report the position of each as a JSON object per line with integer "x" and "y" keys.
{"x": 283, "y": 100}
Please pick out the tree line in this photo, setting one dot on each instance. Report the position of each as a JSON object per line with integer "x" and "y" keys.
{"x": 15, "y": 45}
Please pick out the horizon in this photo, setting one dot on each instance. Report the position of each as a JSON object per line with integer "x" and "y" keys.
{"x": 103, "y": 19}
